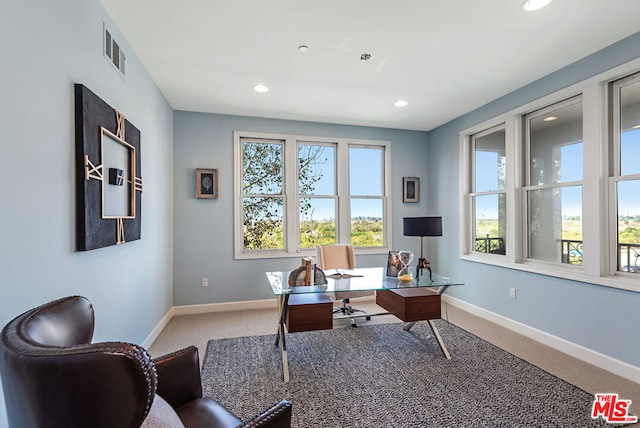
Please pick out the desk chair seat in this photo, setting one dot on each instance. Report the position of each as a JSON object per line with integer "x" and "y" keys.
{"x": 341, "y": 256}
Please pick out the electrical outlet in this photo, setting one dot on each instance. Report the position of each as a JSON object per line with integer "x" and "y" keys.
{"x": 512, "y": 293}
{"x": 205, "y": 282}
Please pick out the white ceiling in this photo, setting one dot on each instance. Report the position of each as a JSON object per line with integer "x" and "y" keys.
{"x": 445, "y": 57}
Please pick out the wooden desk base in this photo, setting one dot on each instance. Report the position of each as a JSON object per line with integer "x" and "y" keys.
{"x": 304, "y": 312}
{"x": 410, "y": 304}
{"x": 309, "y": 312}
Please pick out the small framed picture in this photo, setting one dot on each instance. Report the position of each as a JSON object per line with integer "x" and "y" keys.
{"x": 393, "y": 264}
{"x": 206, "y": 183}
{"x": 410, "y": 189}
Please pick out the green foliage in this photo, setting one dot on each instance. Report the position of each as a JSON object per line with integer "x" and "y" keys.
{"x": 263, "y": 166}
{"x": 263, "y": 226}
{"x": 630, "y": 235}
{"x": 314, "y": 233}
{"x": 486, "y": 228}
{"x": 367, "y": 232}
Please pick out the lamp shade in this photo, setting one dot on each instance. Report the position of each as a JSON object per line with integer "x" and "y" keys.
{"x": 422, "y": 226}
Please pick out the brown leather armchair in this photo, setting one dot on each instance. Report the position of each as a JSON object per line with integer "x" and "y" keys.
{"x": 53, "y": 376}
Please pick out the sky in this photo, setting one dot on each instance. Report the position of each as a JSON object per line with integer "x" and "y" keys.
{"x": 365, "y": 180}
{"x": 367, "y": 163}
{"x": 571, "y": 168}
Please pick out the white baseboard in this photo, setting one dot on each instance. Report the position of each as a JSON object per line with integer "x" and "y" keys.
{"x": 580, "y": 352}
{"x": 157, "y": 330}
{"x": 224, "y": 307}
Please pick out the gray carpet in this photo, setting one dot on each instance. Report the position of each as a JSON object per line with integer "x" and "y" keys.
{"x": 382, "y": 376}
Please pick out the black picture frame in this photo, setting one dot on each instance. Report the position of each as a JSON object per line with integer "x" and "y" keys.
{"x": 206, "y": 183}
{"x": 410, "y": 189}
{"x": 95, "y": 119}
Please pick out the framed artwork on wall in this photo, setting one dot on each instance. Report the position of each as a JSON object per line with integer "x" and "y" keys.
{"x": 410, "y": 189}
{"x": 108, "y": 174}
{"x": 206, "y": 183}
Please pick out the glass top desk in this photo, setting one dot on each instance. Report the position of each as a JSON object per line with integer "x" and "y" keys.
{"x": 362, "y": 279}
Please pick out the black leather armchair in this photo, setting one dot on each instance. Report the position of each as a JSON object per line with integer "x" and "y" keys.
{"x": 53, "y": 376}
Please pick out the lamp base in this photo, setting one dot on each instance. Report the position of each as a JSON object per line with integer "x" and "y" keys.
{"x": 423, "y": 264}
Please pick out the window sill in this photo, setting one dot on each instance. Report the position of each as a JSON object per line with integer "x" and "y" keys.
{"x": 620, "y": 281}
{"x": 280, "y": 254}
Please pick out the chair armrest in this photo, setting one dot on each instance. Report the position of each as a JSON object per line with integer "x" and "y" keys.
{"x": 179, "y": 376}
{"x": 276, "y": 416}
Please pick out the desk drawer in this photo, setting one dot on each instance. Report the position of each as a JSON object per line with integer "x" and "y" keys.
{"x": 410, "y": 304}
{"x": 309, "y": 312}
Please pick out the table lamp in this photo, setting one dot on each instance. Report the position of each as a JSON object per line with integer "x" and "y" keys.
{"x": 422, "y": 226}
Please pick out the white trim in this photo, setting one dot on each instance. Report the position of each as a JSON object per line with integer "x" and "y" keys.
{"x": 158, "y": 329}
{"x": 580, "y": 352}
{"x": 224, "y": 307}
{"x": 290, "y": 212}
{"x": 599, "y": 266}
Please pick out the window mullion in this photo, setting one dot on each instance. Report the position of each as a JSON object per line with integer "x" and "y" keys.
{"x": 594, "y": 189}
{"x": 513, "y": 154}
{"x": 343, "y": 222}
{"x": 291, "y": 200}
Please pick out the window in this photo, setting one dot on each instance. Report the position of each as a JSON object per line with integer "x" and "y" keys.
{"x": 553, "y": 189}
{"x": 557, "y": 180}
{"x": 625, "y": 175}
{"x": 317, "y": 200}
{"x": 366, "y": 192}
{"x": 295, "y": 193}
{"x": 263, "y": 194}
{"x": 488, "y": 191}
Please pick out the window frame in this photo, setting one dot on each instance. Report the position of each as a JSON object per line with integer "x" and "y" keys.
{"x": 291, "y": 197}
{"x": 528, "y": 187}
{"x": 598, "y": 218}
{"x": 615, "y": 173}
{"x": 473, "y": 194}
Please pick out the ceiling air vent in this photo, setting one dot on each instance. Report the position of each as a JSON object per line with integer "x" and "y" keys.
{"x": 113, "y": 52}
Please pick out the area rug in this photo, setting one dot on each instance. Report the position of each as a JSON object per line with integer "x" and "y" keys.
{"x": 383, "y": 376}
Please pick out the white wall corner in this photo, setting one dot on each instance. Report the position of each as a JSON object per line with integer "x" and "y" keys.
{"x": 158, "y": 329}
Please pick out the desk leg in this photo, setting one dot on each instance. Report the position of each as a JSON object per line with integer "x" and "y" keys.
{"x": 408, "y": 326}
{"x": 283, "y": 304}
{"x": 439, "y": 339}
{"x": 435, "y": 331}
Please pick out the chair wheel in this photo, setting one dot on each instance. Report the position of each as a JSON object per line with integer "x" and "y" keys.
{"x": 368, "y": 318}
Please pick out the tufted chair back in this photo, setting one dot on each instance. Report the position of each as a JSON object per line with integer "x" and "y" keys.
{"x": 53, "y": 376}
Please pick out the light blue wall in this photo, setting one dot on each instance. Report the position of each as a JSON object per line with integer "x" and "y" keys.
{"x": 203, "y": 229}
{"x": 47, "y": 47}
{"x": 597, "y": 317}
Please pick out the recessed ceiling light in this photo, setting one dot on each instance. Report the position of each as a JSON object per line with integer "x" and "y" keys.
{"x": 401, "y": 103}
{"x": 260, "y": 88}
{"x": 531, "y": 5}
{"x": 303, "y": 48}
{"x": 550, "y": 118}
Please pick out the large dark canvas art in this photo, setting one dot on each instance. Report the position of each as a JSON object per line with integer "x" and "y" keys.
{"x": 108, "y": 174}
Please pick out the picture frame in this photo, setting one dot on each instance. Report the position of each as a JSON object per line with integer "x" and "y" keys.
{"x": 393, "y": 264}
{"x": 206, "y": 183}
{"x": 410, "y": 189}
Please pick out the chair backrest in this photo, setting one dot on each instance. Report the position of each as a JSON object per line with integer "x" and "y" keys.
{"x": 336, "y": 256}
{"x": 54, "y": 377}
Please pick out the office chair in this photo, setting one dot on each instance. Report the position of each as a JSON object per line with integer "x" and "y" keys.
{"x": 341, "y": 256}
